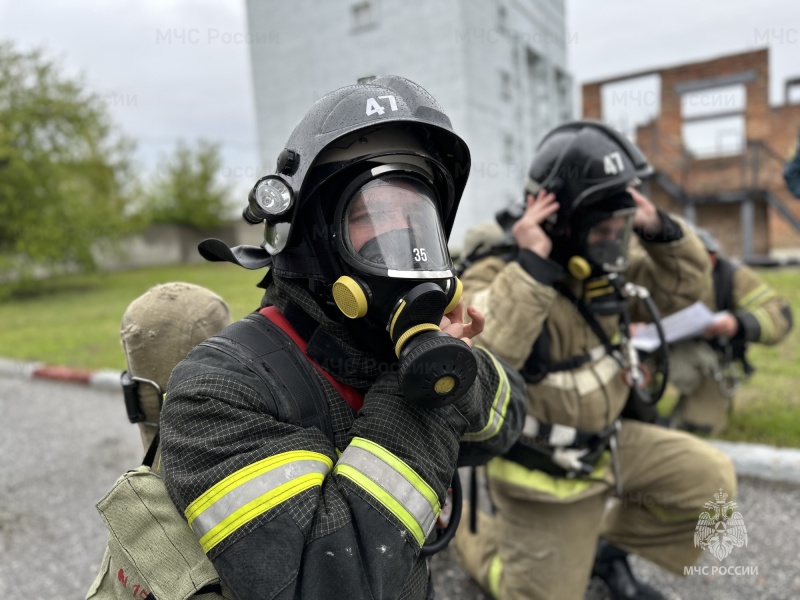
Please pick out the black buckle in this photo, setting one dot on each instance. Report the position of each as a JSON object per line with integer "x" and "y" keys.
{"x": 130, "y": 391}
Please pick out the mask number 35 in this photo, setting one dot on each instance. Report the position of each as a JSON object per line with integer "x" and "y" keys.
{"x": 419, "y": 255}
{"x": 375, "y": 108}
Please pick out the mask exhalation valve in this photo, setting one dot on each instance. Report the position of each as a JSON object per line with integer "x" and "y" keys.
{"x": 436, "y": 369}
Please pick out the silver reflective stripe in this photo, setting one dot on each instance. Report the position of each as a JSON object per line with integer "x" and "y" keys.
{"x": 531, "y": 428}
{"x": 562, "y": 435}
{"x": 399, "y": 495}
{"x": 419, "y": 274}
{"x": 253, "y": 489}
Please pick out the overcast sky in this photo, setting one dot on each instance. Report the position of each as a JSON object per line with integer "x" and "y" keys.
{"x": 160, "y": 89}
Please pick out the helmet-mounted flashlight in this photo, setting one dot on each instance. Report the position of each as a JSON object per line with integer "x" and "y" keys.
{"x": 270, "y": 197}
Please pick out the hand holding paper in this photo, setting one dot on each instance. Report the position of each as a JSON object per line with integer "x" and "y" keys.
{"x": 690, "y": 322}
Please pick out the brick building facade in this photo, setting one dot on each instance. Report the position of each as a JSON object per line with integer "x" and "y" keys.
{"x": 736, "y": 190}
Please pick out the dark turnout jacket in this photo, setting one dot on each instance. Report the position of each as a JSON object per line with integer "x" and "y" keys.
{"x": 284, "y": 513}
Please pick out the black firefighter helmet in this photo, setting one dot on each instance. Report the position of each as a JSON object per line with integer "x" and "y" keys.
{"x": 589, "y": 166}
{"x": 585, "y": 163}
{"x": 387, "y": 125}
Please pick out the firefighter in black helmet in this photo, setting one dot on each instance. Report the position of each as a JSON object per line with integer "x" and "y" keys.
{"x": 558, "y": 312}
{"x": 356, "y": 222}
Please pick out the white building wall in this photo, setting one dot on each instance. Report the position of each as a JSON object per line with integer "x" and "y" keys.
{"x": 455, "y": 49}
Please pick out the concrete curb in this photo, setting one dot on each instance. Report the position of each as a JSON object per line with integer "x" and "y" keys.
{"x": 751, "y": 460}
{"x": 103, "y": 379}
{"x": 761, "y": 461}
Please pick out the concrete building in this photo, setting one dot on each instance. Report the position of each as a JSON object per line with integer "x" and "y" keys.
{"x": 717, "y": 145}
{"x": 498, "y": 68}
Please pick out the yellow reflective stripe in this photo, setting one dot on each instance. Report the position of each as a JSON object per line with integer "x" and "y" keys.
{"x": 760, "y": 299}
{"x": 386, "y": 499}
{"x": 753, "y": 295}
{"x": 560, "y": 487}
{"x": 598, "y": 292}
{"x": 253, "y": 490}
{"x": 497, "y": 413}
{"x": 765, "y": 322}
{"x": 393, "y": 483}
{"x": 398, "y": 465}
{"x": 257, "y": 507}
{"x": 244, "y": 475}
{"x": 495, "y": 572}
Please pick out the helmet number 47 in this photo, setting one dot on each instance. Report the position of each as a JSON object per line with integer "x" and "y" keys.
{"x": 374, "y": 107}
{"x": 612, "y": 163}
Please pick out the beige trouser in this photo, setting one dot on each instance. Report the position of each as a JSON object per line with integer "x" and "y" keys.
{"x": 694, "y": 371}
{"x": 545, "y": 548}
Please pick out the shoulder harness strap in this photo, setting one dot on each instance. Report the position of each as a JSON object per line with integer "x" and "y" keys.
{"x": 539, "y": 364}
{"x": 723, "y": 284}
{"x": 274, "y": 357}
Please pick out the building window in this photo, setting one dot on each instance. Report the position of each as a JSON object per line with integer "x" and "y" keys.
{"x": 631, "y": 103}
{"x": 505, "y": 85}
{"x": 502, "y": 18}
{"x": 792, "y": 92}
{"x": 363, "y": 14}
{"x": 716, "y": 136}
{"x": 714, "y": 121}
{"x": 714, "y": 101}
{"x": 508, "y": 149}
{"x": 564, "y": 95}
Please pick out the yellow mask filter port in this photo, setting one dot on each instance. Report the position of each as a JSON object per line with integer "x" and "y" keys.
{"x": 350, "y": 297}
{"x": 398, "y": 347}
{"x": 444, "y": 385}
{"x": 456, "y": 296}
{"x": 579, "y": 267}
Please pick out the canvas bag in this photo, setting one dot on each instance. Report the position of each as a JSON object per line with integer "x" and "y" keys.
{"x": 152, "y": 553}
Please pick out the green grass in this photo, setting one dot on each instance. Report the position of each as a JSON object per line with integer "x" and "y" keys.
{"x": 767, "y": 406}
{"x": 76, "y": 321}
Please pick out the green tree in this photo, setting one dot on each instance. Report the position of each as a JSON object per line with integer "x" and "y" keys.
{"x": 64, "y": 170}
{"x": 187, "y": 188}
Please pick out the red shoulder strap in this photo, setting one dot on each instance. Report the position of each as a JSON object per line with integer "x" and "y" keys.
{"x": 354, "y": 398}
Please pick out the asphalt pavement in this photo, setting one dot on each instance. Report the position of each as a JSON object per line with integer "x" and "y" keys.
{"x": 64, "y": 445}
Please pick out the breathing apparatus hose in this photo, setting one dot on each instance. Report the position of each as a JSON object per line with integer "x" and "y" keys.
{"x": 653, "y": 310}
{"x": 631, "y": 289}
{"x": 449, "y": 531}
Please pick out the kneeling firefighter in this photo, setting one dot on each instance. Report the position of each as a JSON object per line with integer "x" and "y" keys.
{"x": 310, "y": 446}
{"x": 559, "y": 313}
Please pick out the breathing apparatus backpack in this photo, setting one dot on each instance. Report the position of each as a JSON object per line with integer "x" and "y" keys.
{"x": 152, "y": 552}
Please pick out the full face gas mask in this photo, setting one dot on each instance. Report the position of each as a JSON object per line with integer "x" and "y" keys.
{"x": 400, "y": 279}
{"x": 602, "y": 254}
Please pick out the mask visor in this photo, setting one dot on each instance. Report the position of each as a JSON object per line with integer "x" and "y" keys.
{"x": 391, "y": 225}
{"x": 607, "y": 242}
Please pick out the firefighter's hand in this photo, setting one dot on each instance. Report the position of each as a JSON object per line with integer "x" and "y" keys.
{"x": 646, "y": 217}
{"x": 528, "y": 231}
{"x": 725, "y": 325}
{"x": 453, "y": 323}
{"x": 636, "y": 328}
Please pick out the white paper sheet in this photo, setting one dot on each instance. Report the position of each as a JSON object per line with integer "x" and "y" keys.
{"x": 687, "y": 323}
